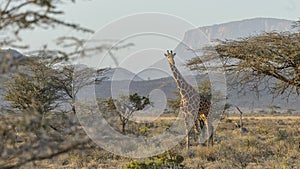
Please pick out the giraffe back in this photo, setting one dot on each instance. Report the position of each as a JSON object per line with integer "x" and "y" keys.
{"x": 204, "y": 105}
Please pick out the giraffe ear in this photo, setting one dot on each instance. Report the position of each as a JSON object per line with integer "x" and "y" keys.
{"x": 174, "y": 54}
{"x": 165, "y": 54}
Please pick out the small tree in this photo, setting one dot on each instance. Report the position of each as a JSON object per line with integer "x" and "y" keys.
{"x": 34, "y": 94}
{"x": 138, "y": 101}
{"x": 41, "y": 86}
{"x": 33, "y": 88}
{"x": 125, "y": 106}
{"x": 69, "y": 80}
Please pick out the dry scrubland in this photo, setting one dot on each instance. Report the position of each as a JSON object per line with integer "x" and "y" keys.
{"x": 271, "y": 142}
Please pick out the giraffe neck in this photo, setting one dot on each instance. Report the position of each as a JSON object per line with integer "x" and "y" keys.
{"x": 182, "y": 85}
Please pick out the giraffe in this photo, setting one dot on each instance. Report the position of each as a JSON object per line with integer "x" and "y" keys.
{"x": 192, "y": 103}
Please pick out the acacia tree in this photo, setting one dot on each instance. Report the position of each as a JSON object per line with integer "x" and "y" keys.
{"x": 69, "y": 80}
{"x": 33, "y": 86}
{"x": 31, "y": 128}
{"x": 125, "y": 106}
{"x": 35, "y": 95}
{"x": 270, "y": 58}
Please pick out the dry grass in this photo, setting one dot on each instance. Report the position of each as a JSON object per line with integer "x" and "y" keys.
{"x": 271, "y": 142}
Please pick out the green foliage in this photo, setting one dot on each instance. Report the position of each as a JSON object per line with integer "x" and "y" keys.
{"x": 136, "y": 101}
{"x": 33, "y": 89}
{"x": 125, "y": 106}
{"x": 144, "y": 130}
{"x": 164, "y": 160}
{"x": 30, "y": 129}
{"x": 270, "y": 59}
{"x": 139, "y": 102}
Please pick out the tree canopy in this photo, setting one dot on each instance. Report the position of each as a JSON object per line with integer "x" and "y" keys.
{"x": 269, "y": 58}
{"x": 32, "y": 128}
{"x": 125, "y": 106}
{"x": 33, "y": 88}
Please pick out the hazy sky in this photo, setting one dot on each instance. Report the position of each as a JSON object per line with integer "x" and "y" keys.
{"x": 96, "y": 14}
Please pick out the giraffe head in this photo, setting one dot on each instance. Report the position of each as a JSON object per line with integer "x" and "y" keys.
{"x": 170, "y": 56}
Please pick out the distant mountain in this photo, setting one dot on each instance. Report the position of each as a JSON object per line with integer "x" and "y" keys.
{"x": 120, "y": 81}
{"x": 167, "y": 87}
{"x": 195, "y": 39}
{"x": 9, "y": 59}
{"x": 107, "y": 89}
{"x": 236, "y": 29}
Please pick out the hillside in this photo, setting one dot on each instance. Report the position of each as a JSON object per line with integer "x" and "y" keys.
{"x": 123, "y": 81}
{"x": 195, "y": 39}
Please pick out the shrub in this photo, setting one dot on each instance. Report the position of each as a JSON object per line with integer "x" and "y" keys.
{"x": 165, "y": 160}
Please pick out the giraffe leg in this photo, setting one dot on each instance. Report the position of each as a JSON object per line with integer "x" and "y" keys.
{"x": 202, "y": 133}
{"x": 207, "y": 132}
{"x": 186, "y": 122}
{"x": 196, "y": 129}
{"x": 212, "y": 136}
{"x": 209, "y": 128}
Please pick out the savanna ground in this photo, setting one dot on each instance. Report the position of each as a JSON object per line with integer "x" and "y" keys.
{"x": 271, "y": 141}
